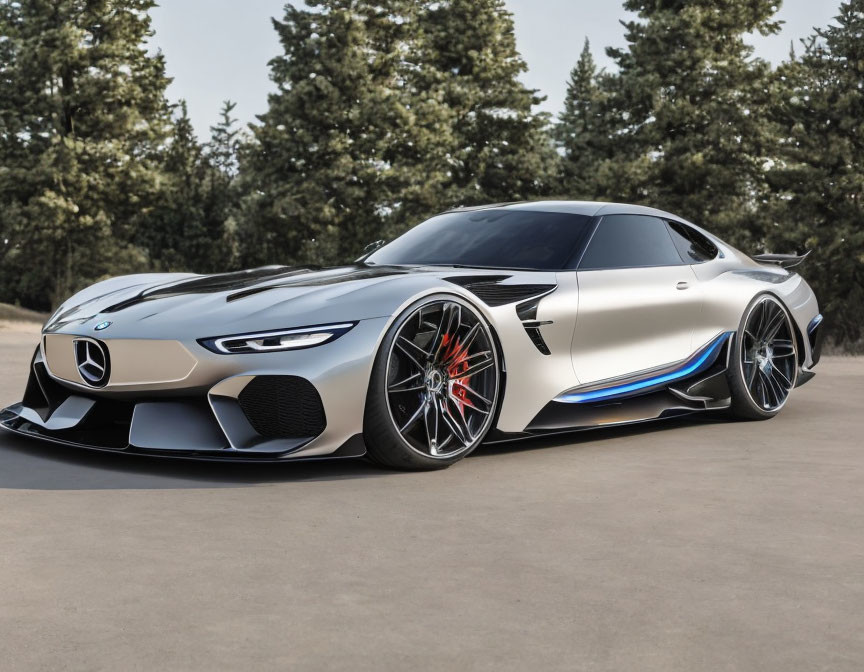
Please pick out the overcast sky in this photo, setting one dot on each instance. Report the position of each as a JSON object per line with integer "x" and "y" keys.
{"x": 218, "y": 49}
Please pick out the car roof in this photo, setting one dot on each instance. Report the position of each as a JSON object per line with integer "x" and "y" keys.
{"x": 599, "y": 209}
{"x": 587, "y": 208}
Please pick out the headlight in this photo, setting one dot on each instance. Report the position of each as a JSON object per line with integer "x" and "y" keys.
{"x": 276, "y": 341}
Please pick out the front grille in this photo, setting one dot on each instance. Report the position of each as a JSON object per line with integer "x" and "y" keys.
{"x": 283, "y": 407}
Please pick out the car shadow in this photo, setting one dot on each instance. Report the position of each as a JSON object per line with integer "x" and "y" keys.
{"x": 594, "y": 435}
{"x": 29, "y": 464}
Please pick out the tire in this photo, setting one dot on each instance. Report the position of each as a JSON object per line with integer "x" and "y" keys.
{"x": 763, "y": 364}
{"x": 434, "y": 387}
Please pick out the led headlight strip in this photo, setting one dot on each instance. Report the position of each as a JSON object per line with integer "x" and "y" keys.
{"x": 276, "y": 341}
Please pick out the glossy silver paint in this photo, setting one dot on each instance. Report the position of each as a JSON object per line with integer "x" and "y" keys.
{"x": 599, "y": 325}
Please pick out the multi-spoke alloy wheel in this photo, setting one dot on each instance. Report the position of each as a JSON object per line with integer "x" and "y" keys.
{"x": 440, "y": 383}
{"x": 767, "y": 359}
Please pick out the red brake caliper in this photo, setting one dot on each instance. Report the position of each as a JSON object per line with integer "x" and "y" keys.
{"x": 457, "y": 358}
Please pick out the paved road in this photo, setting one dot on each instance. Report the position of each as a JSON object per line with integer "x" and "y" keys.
{"x": 688, "y": 546}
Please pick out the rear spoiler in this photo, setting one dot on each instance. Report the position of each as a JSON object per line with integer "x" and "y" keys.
{"x": 782, "y": 260}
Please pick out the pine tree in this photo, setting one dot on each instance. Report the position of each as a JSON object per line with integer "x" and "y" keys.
{"x": 579, "y": 132}
{"x": 687, "y": 113}
{"x": 175, "y": 224}
{"x": 82, "y": 119}
{"x": 224, "y": 142}
{"x": 339, "y": 152}
{"x": 220, "y": 213}
{"x": 387, "y": 112}
{"x": 819, "y": 179}
{"x": 469, "y": 61}
{"x": 191, "y": 229}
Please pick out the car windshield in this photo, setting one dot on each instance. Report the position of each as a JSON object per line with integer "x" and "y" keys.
{"x": 489, "y": 238}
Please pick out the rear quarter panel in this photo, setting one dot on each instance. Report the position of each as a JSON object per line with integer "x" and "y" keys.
{"x": 730, "y": 285}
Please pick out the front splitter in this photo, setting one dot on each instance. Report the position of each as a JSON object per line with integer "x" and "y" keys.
{"x": 354, "y": 447}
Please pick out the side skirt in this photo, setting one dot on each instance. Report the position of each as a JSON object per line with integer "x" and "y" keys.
{"x": 697, "y": 384}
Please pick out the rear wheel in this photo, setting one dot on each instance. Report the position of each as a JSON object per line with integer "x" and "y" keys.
{"x": 434, "y": 386}
{"x": 764, "y": 365}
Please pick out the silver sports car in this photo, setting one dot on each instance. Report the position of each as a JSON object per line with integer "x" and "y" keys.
{"x": 480, "y": 324}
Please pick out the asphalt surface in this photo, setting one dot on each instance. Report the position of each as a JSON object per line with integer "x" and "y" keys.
{"x": 689, "y": 545}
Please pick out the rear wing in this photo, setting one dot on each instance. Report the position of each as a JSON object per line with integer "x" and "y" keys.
{"x": 782, "y": 260}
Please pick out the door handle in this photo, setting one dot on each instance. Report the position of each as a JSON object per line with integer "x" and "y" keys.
{"x": 682, "y": 285}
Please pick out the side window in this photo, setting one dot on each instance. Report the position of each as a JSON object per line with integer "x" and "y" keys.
{"x": 692, "y": 245}
{"x": 630, "y": 241}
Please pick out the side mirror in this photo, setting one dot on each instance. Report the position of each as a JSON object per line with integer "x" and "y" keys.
{"x": 369, "y": 249}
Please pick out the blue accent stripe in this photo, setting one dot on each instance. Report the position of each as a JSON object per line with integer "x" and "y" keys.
{"x": 815, "y": 322}
{"x": 700, "y": 361}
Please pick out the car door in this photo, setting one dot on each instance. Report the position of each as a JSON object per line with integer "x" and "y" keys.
{"x": 638, "y": 300}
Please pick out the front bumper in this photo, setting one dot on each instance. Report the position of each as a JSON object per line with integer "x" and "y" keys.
{"x": 94, "y": 439}
{"x": 292, "y": 406}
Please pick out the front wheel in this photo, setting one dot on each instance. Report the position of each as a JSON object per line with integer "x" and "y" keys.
{"x": 764, "y": 363}
{"x": 434, "y": 386}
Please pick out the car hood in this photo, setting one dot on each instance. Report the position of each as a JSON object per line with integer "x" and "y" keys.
{"x": 274, "y": 297}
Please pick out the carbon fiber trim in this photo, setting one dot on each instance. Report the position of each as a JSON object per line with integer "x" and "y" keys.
{"x": 492, "y": 291}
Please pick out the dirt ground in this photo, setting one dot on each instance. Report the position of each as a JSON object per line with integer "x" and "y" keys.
{"x": 687, "y": 545}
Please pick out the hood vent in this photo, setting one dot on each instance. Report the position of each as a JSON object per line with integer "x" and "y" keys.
{"x": 331, "y": 276}
{"x": 491, "y": 290}
{"x": 205, "y": 284}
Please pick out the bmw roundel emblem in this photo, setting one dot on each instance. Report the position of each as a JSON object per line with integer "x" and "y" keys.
{"x": 101, "y": 326}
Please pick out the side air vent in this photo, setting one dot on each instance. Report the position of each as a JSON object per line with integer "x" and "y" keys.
{"x": 537, "y": 338}
{"x": 283, "y": 407}
{"x": 492, "y": 292}
{"x": 527, "y": 312}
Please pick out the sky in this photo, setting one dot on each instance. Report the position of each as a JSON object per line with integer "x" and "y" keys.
{"x": 219, "y": 49}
